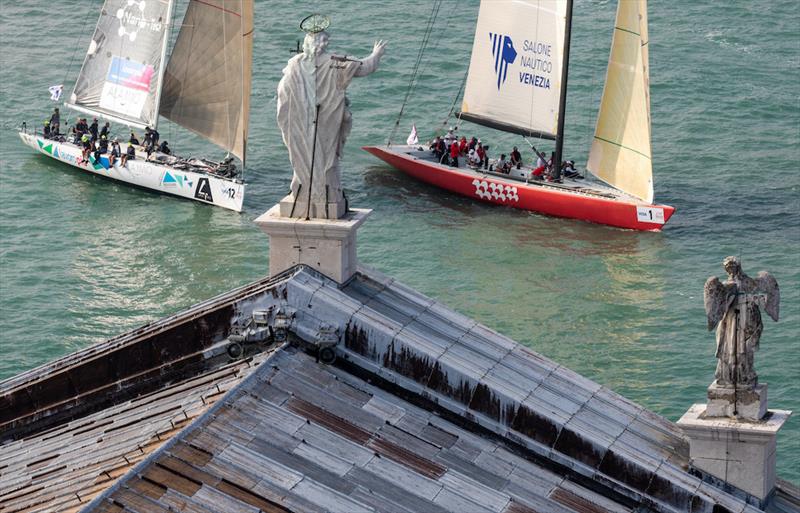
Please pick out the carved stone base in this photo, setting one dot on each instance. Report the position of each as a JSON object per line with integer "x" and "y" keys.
{"x": 290, "y": 208}
{"x": 742, "y": 403}
{"x": 741, "y": 453}
{"x": 327, "y": 245}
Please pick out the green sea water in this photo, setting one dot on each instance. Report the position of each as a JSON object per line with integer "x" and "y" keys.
{"x": 83, "y": 259}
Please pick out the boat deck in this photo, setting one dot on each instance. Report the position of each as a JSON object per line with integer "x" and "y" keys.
{"x": 587, "y": 185}
{"x": 172, "y": 161}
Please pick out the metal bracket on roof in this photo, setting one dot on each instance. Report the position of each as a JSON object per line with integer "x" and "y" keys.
{"x": 265, "y": 326}
{"x": 327, "y": 340}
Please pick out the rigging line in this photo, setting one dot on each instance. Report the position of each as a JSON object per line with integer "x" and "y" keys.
{"x": 77, "y": 43}
{"x": 423, "y": 45}
{"x": 455, "y": 100}
{"x": 433, "y": 48}
{"x": 420, "y": 53}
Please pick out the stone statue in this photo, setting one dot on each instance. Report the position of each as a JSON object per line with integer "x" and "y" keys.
{"x": 733, "y": 308}
{"x": 312, "y": 105}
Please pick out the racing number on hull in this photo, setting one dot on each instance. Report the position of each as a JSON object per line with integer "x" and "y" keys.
{"x": 650, "y": 215}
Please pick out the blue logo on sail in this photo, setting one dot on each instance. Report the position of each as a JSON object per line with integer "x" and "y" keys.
{"x": 504, "y": 54}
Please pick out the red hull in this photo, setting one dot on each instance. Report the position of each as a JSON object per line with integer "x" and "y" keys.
{"x": 619, "y": 212}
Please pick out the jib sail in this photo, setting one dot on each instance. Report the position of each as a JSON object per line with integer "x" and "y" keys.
{"x": 621, "y": 152}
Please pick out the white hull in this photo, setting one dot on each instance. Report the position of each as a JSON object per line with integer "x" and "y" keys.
{"x": 191, "y": 185}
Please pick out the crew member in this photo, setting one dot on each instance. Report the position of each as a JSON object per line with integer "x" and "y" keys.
{"x": 93, "y": 129}
{"x": 516, "y": 158}
{"x": 454, "y": 154}
{"x": 130, "y": 154}
{"x": 55, "y": 122}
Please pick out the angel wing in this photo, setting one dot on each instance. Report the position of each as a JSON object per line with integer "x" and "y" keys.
{"x": 715, "y": 299}
{"x": 769, "y": 285}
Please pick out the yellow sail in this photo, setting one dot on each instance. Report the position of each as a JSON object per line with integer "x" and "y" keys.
{"x": 621, "y": 153}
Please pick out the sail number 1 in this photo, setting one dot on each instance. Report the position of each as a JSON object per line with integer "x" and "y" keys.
{"x": 650, "y": 215}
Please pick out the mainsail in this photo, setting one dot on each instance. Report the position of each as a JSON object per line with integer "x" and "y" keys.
{"x": 121, "y": 74}
{"x": 620, "y": 153}
{"x": 514, "y": 79}
{"x": 207, "y": 81}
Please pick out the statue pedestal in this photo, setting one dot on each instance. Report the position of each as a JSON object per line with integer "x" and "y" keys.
{"x": 327, "y": 245}
{"x": 741, "y": 403}
{"x": 741, "y": 453}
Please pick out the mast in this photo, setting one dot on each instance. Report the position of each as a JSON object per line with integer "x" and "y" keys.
{"x": 562, "y": 101}
{"x": 163, "y": 68}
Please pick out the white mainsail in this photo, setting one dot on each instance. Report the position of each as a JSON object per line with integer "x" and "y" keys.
{"x": 514, "y": 79}
{"x": 620, "y": 153}
{"x": 121, "y": 73}
{"x": 207, "y": 81}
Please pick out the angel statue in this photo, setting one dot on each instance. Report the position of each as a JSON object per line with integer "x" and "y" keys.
{"x": 733, "y": 308}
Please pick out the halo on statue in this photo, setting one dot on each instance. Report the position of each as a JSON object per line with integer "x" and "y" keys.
{"x": 315, "y": 23}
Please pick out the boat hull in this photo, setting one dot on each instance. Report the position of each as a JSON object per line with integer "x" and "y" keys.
{"x": 202, "y": 187}
{"x": 538, "y": 197}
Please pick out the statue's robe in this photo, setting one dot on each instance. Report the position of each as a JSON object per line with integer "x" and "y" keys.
{"x": 309, "y": 81}
{"x": 738, "y": 335}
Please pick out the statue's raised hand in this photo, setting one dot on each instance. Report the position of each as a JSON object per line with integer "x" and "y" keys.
{"x": 379, "y": 48}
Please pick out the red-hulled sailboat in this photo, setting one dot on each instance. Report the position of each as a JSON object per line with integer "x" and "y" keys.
{"x": 517, "y": 83}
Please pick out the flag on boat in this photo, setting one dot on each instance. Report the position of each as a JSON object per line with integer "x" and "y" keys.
{"x": 55, "y": 92}
{"x": 412, "y": 137}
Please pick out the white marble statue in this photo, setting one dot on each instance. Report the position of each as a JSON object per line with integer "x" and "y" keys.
{"x": 312, "y": 92}
{"x": 733, "y": 308}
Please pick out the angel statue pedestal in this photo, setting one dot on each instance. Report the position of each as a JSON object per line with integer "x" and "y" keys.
{"x": 749, "y": 403}
{"x": 732, "y": 438}
{"x": 313, "y": 224}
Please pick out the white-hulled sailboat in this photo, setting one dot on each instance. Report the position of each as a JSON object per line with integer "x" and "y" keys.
{"x": 203, "y": 87}
{"x": 517, "y": 83}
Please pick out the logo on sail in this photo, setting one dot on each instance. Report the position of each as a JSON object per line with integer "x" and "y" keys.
{"x": 504, "y": 54}
{"x": 132, "y": 18}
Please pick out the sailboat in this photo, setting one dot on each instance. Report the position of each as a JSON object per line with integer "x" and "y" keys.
{"x": 517, "y": 83}
{"x": 204, "y": 86}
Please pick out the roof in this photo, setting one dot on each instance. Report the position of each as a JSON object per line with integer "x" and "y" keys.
{"x": 65, "y": 467}
{"x": 304, "y": 436}
{"x": 422, "y": 410}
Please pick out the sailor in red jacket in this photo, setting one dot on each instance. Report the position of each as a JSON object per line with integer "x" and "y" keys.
{"x": 454, "y": 154}
{"x": 483, "y": 161}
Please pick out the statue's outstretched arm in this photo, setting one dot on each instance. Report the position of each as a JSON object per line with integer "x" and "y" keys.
{"x": 370, "y": 64}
